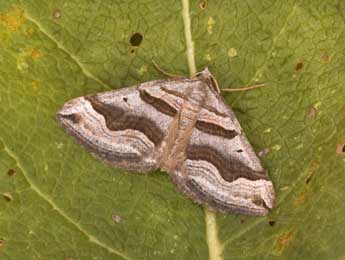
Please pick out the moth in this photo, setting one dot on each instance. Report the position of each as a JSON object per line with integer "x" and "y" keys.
{"x": 181, "y": 126}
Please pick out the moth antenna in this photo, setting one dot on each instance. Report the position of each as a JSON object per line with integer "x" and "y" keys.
{"x": 243, "y": 88}
{"x": 165, "y": 72}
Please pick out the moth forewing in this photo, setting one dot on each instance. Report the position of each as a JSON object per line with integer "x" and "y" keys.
{"x": 182, "y": 126}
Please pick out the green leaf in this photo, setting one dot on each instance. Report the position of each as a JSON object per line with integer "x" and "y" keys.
{"x": 58, "y": 202}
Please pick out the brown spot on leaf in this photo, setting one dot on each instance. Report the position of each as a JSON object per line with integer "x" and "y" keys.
{"x": 312, "y": 111}
{"x": 35, "y": 53}
{"x": 69, "y": 258}
{"x": 14, "y": 19}
{"x": 7, "y": 196}
{"x": 57, "y": 14}
{"x": 136, "y": 39}
{"x": 11, "y": 172}
{"x": 326, "y": 58}
{"x": 29, "y": 32}
{"x": 299, "y": 65}
{"x": 202, "y": 5}
{"x": 2, "y": 243}
{"x": 35, "y": 85}
{"x": 282, "y": 242}
{"x": 242, "y": 221}
{"x": 271, "y": 223}
{"x": 300, "y": 199}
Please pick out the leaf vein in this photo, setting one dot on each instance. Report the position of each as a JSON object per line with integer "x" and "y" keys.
{"x": 215, "y": 247}
{"x": 73, "y": 57}
{"x": 269, "y": 53}
{"x": 46, "y": 198}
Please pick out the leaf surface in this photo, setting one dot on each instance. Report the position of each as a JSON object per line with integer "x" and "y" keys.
{"x": 58, "y": 202}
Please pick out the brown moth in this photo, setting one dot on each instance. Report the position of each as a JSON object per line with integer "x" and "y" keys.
{"x": 181, "y": 126}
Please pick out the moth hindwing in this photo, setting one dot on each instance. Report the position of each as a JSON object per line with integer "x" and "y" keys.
{"x": 181, "y": 126}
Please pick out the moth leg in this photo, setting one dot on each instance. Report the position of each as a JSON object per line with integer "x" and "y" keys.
{"x": 215, "y": 84}
{"x": 165, "y": 72}
{"x": 243, "y": 88}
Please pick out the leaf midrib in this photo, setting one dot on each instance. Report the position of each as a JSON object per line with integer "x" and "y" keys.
{"x": 215, "y": 247}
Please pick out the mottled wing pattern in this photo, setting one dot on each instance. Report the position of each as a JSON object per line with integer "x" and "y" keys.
{"x": 127, "y": 127}
{"x": 221, "y": 168}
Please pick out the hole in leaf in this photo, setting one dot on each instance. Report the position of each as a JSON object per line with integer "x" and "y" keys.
{"x": 308, "y": 180}
{"x": 202, "y": 5}
{"x": 11, "y": 172}
{"x": 299, "y": 65}
{"x": 136, "y": 39}
{"x": 239, "y": 150}
{"x": 116, "y": 218}
{"x": 271, "y": 223}
{"x": 57, "y": 14}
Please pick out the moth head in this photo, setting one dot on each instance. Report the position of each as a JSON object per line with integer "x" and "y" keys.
{"x": 206, "y": 76}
